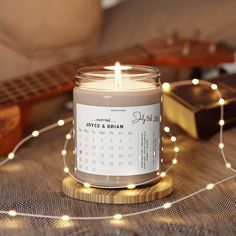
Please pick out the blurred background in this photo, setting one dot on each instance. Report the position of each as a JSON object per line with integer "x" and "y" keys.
{"x": 35, "y": 35}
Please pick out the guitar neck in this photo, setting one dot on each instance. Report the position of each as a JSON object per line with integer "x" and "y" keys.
{"x": 60, "y": 79}
{"x": 39, "y": 85}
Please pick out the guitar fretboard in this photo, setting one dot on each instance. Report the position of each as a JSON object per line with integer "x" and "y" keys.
{"x": 61, "y": 78}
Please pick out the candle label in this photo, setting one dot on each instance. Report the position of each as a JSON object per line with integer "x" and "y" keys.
{"x": 118, "y": 141}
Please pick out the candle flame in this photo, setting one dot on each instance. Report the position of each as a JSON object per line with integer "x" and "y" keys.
{"x": 117, "y": 71}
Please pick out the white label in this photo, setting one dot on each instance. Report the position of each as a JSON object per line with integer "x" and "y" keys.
{"x": 118, "y": 141}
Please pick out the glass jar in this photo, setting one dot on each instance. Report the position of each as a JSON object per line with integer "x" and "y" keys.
{"x": 117, "y": 117}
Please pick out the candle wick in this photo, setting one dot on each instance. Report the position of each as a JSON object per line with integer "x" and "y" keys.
{"x": 117, "y": 75}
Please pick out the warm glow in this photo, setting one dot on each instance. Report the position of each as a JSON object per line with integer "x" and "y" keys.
{"x": 87, "y": 185}
{"x": 221, "y": 145}
{"x": 176, "y": 149}
{"x": 61, "y": 122}
{"x": 63, "y": 152}
{"x": 221, "y": 101}
{"x": 167, "y": 129}
{"x": 11, "y": 155}
{"x": 35, "y": 133}
{"x": 228, "y": 165}
{"x": 195, "y": 81}
{"x": 173, "y": 138}
{"x": 167, "y": 205}
{"x": 163, "y": 174}
{"x": 214, "y": 86}
{"x": 174, "y": 161}
{"x": 131, "y": 186}
{"x": 68, "y": 136}
{"x": 221, "y": 122}
{"x": 166, "y": 87}
{"x": 117, "y": 216}
{"x": 210, "y": 186}
{"x": 12, "y": 213}
{"x": 65, "y": 217}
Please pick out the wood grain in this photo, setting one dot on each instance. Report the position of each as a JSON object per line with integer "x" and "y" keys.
{"x": 10, "y": 128}
{"x": 76, "y": 190}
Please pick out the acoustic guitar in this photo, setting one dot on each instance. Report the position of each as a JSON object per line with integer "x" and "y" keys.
{"x": 18, "y": 95}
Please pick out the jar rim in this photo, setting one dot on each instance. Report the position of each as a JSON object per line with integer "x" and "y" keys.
{"x": 108, "y": 72}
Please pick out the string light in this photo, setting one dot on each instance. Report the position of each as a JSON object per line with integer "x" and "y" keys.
{"x": 11, "y": 155}
{"x": 221, "y": 101}
{"x": 66, "y": 170}
{"x": 165, "y": 87}
{"x": 221, "y": 122}
{"x": 35, "y": 133}
{"x": 65, "y": 217}
{"x": 195, "y": 81}
{"x": 87, "y": 185}
{"x": 167, "y": 129}
{"x": 63, "y": 152}
{"x": 221, "y": 145}
{"x": 163, "y": 174}
{"x": 173, "y": 138}
{"x": 174, "y": 161}
{"x": 228, "y": 165}
{"x": 117, "y": 216}
{"x": 61, "y": 122}
{"x": 176, "y": 149}
{"x": 214, "y": 87}
{"x": 210, "y": 186}
{"x": 131, "y": 186}
{"x": 167, "y": 205}
{"x": 12, "y": 213}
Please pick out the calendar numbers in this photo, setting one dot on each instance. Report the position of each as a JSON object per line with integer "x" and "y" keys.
{"x": 116, "y": 146}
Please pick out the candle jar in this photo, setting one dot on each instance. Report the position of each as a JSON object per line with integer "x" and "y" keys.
{"x": 117, "y": 118}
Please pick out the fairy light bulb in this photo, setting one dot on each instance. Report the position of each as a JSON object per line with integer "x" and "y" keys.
{"x": 35, "y": 133}
{"x": 65, "y": 217}
{"x": 165, "y": 87}
{"x": 221, "y": 122}
{"x": 195, "y": 81}
{"x": 163, "y": 174}
{"x": 214, "y": 87}
{"x": 12, "y": 213}
{"x": 210, "y": 186}
{"x": 117, "y": 216}
{"x": 11, "y": 155}
{"x": 68, "y": 136}
{"x": 61, "y": 122}
{"x": 173, "y": 138}
{"x": 63, "y": 152}
{"x": 221, "y": 101}
{"x": 66, "y": 170}
{"x": 87, "y": 185}
{"x": 167, "y": 205}
{"x": 176, "y": 149}
{"x": 228, "y": 165}
{"x": 167, "y": 129}
{"x": 131, "y": 186}
{"x": 221, "y": 145}
{"x": 174, "y": 161}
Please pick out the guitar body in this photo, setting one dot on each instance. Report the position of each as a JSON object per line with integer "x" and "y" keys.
{"x": 10, "y": 128}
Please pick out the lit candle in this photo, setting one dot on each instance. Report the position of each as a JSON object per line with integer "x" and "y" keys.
{"x": 117, "y": 112}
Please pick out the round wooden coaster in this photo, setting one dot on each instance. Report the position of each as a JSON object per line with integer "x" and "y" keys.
{"x": 76, "y": 190}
